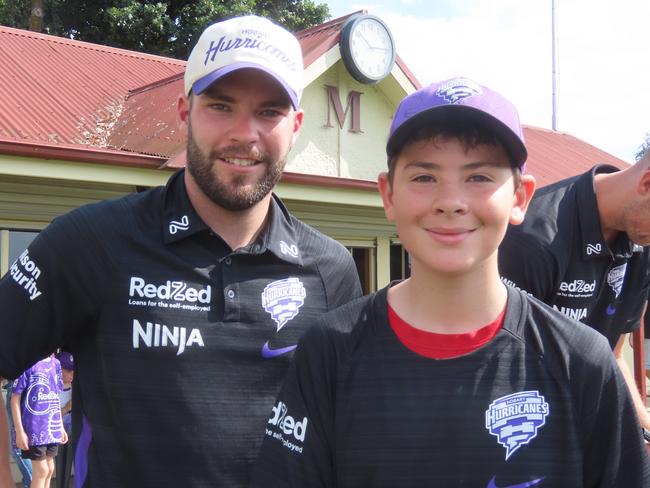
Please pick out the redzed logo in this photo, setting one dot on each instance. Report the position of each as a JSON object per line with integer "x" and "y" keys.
{"x": 287, "y": 424}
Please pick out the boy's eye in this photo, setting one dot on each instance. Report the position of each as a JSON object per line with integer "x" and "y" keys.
{"x": 423, "y": 179}
{"x": 479, "y": 178}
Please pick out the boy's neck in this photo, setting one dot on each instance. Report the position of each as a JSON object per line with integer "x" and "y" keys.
{"x": 449, "y": 305}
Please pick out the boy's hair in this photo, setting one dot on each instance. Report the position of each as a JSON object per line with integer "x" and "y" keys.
{"x": 458, "y": 108}
{"x": 453, "y": 125}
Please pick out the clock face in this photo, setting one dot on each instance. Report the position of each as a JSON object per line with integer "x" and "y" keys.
{"x": 367, "y": 48}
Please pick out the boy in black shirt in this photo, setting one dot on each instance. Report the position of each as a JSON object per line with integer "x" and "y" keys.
{"x": 450, "y": 378}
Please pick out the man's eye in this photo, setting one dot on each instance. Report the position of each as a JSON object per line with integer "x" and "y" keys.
{"x": 271, "y": 113}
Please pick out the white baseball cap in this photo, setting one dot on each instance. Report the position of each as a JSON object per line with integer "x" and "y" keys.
{"x": 245, "y": 42}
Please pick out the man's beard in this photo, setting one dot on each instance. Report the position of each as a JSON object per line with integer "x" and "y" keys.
{"x": 234, "y": 196}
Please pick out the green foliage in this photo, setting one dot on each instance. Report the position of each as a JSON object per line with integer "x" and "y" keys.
{"x": 643, "y": 148}
{"x": 166, "y": 27}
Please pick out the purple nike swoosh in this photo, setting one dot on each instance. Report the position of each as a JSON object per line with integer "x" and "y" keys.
{"x": 610, "y": 310}
{"x": 492, "y": 484}
{"x": 267, "y": 352}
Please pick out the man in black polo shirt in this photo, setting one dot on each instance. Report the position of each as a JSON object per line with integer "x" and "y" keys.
{"x": 182, "y": 305}
{"x": 583, "y": 248}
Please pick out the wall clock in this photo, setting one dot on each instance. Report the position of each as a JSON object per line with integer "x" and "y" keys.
{"x": 367, "y": 48}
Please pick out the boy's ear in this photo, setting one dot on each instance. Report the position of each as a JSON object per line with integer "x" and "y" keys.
{"x": 386, "y": 192}
{"x": 523, "y": 195}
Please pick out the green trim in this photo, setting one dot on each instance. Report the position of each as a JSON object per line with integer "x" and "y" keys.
{"x": 75, "y": 171}
{"x": 4, "y": 251}
{"x": 328, "y": 195}
{"x": 383, "y": 261}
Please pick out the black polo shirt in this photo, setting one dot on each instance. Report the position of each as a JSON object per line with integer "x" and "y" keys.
{"x": 179, "y": 342}
{"x": 559, "y": 255}
{"x": 542, "y": 404}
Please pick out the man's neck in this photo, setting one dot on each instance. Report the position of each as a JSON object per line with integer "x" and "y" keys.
{"x": 610, "y": 194}
{"x": 237, "y": 229}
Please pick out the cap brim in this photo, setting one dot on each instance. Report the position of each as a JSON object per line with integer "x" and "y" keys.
{"x": 202, "y": 84}
{"x": 512, "y": 143}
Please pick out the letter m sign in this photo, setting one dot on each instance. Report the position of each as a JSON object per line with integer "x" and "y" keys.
{"x": 353, "y": 106}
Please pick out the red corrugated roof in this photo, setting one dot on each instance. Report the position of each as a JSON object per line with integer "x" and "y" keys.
{"x": 62, "y": 93}
{"x": 319, "y": 39}
{"x": 555, "y": 155}
{"x": 59, "y": 90}
{"x": 148, "y": 122}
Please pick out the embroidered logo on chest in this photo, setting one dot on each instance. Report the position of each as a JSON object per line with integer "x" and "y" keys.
{"x": 283, "y": 299}
{"x": 516, "y": 418}
{"x": 615, "y": 278}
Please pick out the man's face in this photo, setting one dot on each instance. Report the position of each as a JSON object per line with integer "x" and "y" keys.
{"x": 240, "y": 131}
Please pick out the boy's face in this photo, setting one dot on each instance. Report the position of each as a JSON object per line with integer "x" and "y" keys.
{"x": 67, "y": 375}
{"x": 452, "y": 205}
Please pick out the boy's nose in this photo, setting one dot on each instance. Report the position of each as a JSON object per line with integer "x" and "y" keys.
{"x": 449, "y": 201}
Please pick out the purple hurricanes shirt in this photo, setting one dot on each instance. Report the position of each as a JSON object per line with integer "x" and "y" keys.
{"x": 40, "y": 408}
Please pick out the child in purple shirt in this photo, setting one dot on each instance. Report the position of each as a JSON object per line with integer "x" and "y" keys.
{"x": 37, "y": 417}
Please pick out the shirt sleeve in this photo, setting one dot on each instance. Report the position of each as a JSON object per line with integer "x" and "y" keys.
{"x": 20, "y": 383}
{"x": 342, "y": 281}
{"x": 525, "y": 263}
{"x": 635, "y": 297}
{"x": 297, "y": 450}
{"x": 615, "y": 453}
{"x": 47, "y": 296}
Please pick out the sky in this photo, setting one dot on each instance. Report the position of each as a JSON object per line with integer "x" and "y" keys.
{"x": 603, "y": 52}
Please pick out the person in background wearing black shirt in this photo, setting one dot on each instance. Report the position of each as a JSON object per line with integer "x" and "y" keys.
{"x": 182, "y": 305}
{"x": 450, "y": 378}
{"x": 584, "y": 249}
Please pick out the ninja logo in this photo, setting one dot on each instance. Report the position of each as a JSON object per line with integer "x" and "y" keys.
{"x": 515, "y": 419}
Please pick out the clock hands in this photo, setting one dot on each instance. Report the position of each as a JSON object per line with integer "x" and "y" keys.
{"x": 371, "y": 46}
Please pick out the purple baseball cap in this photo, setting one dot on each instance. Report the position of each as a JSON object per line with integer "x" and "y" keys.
{"x": 66, "y": 360}
{"x": 459, "y": 96}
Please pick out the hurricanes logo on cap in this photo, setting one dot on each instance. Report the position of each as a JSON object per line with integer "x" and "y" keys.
{"x": 458, "y": 89}
{"x": 283, "y": 299}
{"x": 515, "y": 419}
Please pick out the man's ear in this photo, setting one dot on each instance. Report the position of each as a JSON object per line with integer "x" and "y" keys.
{"x": 523, "y": 195}
{"x": 183, "y": 113}
{"x": 386, "y": 191}
{"x": 297, "y": 124}
{"x": 643, "y": 187}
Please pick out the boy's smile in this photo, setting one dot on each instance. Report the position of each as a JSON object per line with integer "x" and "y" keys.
{"x": 451, "y": 204}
